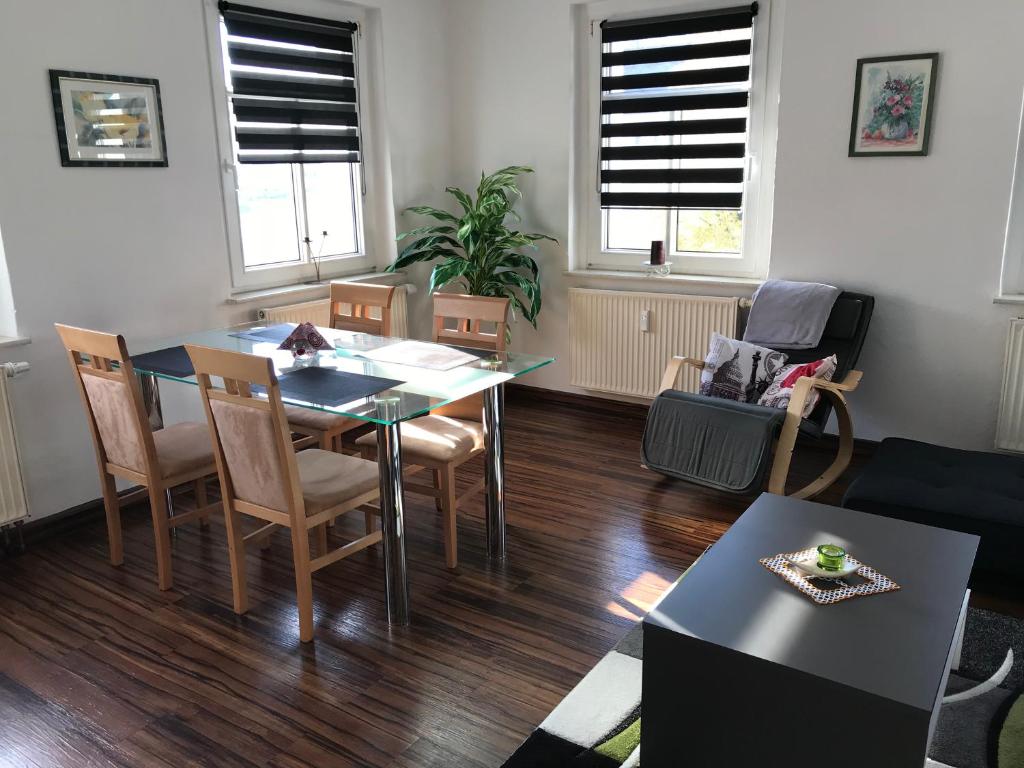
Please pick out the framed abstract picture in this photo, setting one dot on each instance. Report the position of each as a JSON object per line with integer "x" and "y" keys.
{"x": 107, "y": 120}
{"x": 892, "y": 105}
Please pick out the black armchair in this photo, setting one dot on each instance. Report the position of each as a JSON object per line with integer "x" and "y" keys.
{"x": 726, "y": 445}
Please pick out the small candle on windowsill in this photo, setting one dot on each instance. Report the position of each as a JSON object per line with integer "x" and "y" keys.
{"x": 831, "y": 557}
{"x": 657, "y": 252}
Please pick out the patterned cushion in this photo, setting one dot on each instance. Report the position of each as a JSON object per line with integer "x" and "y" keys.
{"x": 736, "y": 370}
{"x": 780, "y": 391}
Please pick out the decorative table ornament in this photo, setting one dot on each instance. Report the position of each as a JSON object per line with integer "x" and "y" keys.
{"x": 811, "y": 568}
{"x": 657, "y": 252}
{"x": 799, "y": 568}
{"x": 662, "y": 269}
{"x": 831, "y": 557}
{"x": 304, "y": 343}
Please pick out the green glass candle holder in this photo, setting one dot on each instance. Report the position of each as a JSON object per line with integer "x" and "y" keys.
{"x": 831, "y": 557}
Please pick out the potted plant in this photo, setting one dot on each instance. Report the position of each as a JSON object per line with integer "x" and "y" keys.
{"x": 478, "y": 252}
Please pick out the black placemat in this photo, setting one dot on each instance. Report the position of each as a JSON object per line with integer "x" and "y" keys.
{"x": 173, "y": 361}
{"x": 273, "y": 333}
{"x": 474, "y": 351}
{"x": 331, "y": 387}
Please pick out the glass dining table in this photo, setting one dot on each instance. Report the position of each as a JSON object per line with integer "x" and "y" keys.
{"x": 423, "y": 377}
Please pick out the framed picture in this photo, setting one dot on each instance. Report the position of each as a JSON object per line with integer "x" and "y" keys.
{"x": 107, "y": 120}
{"x": 892, "y": 105}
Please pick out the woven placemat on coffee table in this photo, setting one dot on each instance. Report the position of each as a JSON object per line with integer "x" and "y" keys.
{"x": 874, "y": 582}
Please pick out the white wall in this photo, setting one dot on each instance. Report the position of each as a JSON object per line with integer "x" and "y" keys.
{"x": 143, "y": 250}
{"x": 924, "y": 235}
{"x": 475, "y": 84}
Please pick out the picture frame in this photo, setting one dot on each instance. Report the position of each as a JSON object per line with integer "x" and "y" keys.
{"x": 893, "y": 99}
{"x": 108, "y": 120}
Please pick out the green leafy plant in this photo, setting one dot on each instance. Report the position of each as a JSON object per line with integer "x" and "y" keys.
{"x": 479, "y": 252}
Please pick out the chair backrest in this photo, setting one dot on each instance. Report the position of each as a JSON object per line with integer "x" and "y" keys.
{"x": 112, "y": 399}
{"x": 469, "y": 312}
{"x": 843, "y": 337}
{"x": 251, "y": 439}
{"x": 362, "y": 301}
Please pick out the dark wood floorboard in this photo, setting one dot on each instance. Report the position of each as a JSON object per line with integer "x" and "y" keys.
{"x": 100, "y": 668}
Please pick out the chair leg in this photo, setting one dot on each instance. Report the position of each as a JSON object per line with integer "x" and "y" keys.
{"x": 303, "y": 582}
{"x": 162, "y": 535}
{"x": 787, "y": 442}
{"x": 236, "y": 557}
{"x": 369, "y": 524}
{"x": 201, "y": 501}
{"x": 112, "y": 505}
{"x": 448, "y": 508}
{"x": 437, "y": 484}
{"x": 320, "y": 532}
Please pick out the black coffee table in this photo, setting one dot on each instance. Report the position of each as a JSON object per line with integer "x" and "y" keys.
{"x": 741, "y": 669}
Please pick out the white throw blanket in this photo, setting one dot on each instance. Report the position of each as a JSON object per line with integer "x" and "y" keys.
{"x": 789, "y": 315}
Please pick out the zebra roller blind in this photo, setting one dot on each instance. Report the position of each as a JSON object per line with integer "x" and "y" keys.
{"x": 294, "y": 88}
{"x": 674, "y": 109}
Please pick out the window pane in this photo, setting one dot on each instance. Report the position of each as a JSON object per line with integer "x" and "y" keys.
{"x": 709, "y": 231}
{"x": 266, "y": 207}
{"x": 634, "y": 229}
{"x": 331, "y": 197}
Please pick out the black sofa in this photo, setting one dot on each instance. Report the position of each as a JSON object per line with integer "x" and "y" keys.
{"x": 969, "y": 491}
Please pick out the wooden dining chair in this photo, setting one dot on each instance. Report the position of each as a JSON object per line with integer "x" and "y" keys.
{"x": 451, "y": 435}
{"x": 352, "y": 308}
{"x": 128, "y": 448}
{"x": 362, "y": 301}
{"x": 262, "y": 476}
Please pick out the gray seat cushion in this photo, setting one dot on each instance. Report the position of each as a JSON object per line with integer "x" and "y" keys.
{"x": 718, "y": 443}
{"x": 970, "y": 491}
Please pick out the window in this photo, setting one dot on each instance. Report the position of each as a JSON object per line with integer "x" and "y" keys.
{"x": 677, "y": 142}
{"x": 296, "y": 154}
{"x": 1011, "y": 281}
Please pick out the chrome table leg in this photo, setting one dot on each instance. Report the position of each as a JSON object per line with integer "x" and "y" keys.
{"x": 392, "y": 516}
{"x": 494, "y": 439}
{"x": 151, "y": 400}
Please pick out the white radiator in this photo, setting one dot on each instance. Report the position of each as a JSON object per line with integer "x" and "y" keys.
{"x": 611, "y": 351}
{"x": 1010, "y": 427}
{"x": 318, "y": 312}
{"x": 13, "y": 501}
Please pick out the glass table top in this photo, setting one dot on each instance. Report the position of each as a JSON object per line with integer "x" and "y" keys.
{"x": 425, "y": 385}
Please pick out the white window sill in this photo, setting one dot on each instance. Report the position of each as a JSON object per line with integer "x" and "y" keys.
{"x": 310, "y": 291}
{"x": 639, "y": 277}
{"x": 14, "y": 341}
{"x": 1009, "y": 298}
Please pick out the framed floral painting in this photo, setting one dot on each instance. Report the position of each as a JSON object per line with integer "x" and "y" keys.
{"x": 107, "y": 120}
{"x": 892, "y": 105}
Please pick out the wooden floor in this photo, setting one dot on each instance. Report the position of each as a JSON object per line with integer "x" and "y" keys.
{"x": 98, "y": 667}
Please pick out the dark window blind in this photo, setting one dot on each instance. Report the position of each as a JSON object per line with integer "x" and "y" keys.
{"x": 674, "y": 110}
{"x": 294, "y": 90}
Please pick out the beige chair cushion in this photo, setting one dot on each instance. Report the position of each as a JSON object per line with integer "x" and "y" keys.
{"x": 321, "y": 421}
{"x": 118, "y": 425}
{"x": 436, "y": 439}
{"x": 251, "y": 451}
{"x": 184, "y": 448}
{"x": 329, "y": 479}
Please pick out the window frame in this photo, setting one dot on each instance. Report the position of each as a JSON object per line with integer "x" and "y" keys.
{"x": 1011, "y": 275}
{"x": 589, "y": 252}
{"x": 368, "y": 218}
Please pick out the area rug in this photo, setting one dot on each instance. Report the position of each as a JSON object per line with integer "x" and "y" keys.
{"x": 981, "y": 723}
